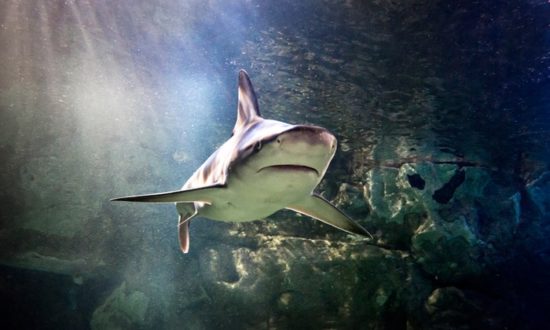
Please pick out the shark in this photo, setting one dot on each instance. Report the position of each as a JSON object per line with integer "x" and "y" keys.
{"x": 265, "y": 166}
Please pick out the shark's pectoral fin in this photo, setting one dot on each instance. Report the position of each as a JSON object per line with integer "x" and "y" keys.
{"x": 188, "y": 211}
{"x": 202, "y": 194}
{"x": 319, "y": 208}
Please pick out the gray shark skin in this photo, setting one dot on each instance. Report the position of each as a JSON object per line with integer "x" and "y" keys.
{"x": 265, "y": 166}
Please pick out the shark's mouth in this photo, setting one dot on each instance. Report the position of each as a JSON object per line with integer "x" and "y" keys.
{"x": 290, "y": 168}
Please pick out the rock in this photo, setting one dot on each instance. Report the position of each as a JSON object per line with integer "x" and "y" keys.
{"x": 122, "y": 310}
{"x": 350, "y": 199}
{"x": 285, "y": 280}
{"x": 453, "y": 308}
{"x": 49, "y": 264}
{"x": 397, "y": 207}
{"x": 450, "y": 253}
{"x": 455, "y": 225}
{"x": 539, "y": 193}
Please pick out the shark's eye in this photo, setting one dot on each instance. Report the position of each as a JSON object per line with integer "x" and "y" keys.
{"x": 258, "y": 146}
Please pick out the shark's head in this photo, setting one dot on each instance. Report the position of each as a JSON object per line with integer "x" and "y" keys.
{"x": 272, "y": 148}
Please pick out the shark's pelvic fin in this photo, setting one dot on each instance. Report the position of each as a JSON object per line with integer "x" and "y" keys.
{"x": 319, "y": 208}
{"x": 188, "y": 212}
{"x": 248, "y": 109}
{"x": 202, "y": 194}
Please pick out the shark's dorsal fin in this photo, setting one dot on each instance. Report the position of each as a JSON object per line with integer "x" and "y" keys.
{"x": 248, "y": 109}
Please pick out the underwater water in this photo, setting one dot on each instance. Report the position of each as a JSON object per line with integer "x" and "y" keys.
{"x": 442, "y": 114}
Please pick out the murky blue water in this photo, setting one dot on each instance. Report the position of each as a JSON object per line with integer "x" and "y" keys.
{"x": 100, "y": 99}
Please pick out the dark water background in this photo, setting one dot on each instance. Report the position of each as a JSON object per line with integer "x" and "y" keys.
{"x": 100, "y": 99}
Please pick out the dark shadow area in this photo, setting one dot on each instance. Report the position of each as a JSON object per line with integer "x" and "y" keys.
{"x": 444, "y": 194}
{"x": 416, "y": 181}
{"x": 42, "y": 300}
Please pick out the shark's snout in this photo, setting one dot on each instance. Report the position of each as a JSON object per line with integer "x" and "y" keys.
{"x": 307, "y": 139}
{"x": 300, "y": 149}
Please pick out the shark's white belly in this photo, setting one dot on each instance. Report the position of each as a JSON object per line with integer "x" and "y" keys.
{"x": 255, "y": 196}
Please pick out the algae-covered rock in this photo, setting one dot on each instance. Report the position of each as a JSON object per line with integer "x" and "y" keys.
{"x": 286, "y": 280}
{"x": 539, "y": 192}
{"x": 400, "y": 199}
{"x": 449, "y": 216}
{"x": 123, "y": 309}
{"x": 454, "y": 308}
{"x": 448, "y": 253}
{"x": 351, "y": 199}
